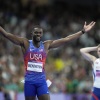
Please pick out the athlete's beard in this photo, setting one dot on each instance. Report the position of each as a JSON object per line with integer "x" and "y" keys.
{"x": 35, "y": 39}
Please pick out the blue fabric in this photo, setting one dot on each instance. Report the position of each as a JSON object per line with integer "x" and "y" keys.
{"x": 35, "y": 89}
{"x": 95, "y": 94}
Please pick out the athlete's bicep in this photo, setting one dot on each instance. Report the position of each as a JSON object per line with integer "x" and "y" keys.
{"x": 57, "y": 43}
{"x": 46, "y": 45}
{"x": 49, "y": 44}
{"x": 25, "y": 45}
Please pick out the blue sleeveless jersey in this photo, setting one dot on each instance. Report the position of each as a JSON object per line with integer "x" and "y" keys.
{"x": 34, "y": 60}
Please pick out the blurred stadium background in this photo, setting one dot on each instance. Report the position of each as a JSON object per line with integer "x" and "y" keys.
{"x": 65, "y": 67}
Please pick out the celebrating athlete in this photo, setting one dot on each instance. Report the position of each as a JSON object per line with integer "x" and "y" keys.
{"x": 35, "y": 52}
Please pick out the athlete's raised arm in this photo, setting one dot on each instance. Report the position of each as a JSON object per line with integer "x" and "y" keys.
{"x": 60, "y": 42}
{"x": 13, "y": 38}
{"x": 86, "y": 53}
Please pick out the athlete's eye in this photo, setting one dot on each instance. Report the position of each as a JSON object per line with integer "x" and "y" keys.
{"x": 38, "y": 32}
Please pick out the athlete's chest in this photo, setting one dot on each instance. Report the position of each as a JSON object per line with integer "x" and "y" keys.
{"x": 36, "y": 53}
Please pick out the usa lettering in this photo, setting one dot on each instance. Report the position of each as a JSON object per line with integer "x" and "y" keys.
{"x": 36, "y": 56}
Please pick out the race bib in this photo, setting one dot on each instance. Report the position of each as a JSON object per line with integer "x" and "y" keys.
{"x": 37, "y": 67}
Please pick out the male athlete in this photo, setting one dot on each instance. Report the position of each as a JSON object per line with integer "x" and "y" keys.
{"x": 35, "y": 52}
{"x": 95, "y": 62}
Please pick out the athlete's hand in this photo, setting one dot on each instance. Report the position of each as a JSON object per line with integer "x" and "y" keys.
{"x": 88, "y": 27}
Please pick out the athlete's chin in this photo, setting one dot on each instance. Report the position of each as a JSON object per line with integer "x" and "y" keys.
{"x": 38, "y": 40}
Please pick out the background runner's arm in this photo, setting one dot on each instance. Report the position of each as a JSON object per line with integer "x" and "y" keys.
{"x": 15, "y": 39}
{"x": 86, "y": 53}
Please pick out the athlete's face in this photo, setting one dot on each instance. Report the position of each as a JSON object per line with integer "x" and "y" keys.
{"x": 37, "y": 34}
{"x": 98, "y": 51}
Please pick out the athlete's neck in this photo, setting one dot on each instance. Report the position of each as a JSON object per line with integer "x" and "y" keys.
{"x": 36, "y": 44}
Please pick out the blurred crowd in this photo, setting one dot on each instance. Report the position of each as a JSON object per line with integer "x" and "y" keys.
{"x": 65, "y": 66}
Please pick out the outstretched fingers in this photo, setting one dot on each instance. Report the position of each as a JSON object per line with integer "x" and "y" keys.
{"x": 85, "y": 24}
{"x": 92, "y": 23}
{"x": 89, "y": 26}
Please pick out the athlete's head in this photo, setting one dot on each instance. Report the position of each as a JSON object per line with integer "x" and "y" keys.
{"x": 98, "y": 50}
{"x": 37, "y": 33}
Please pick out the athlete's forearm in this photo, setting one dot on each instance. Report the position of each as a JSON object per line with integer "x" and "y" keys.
{"x": 11, "y": 37}
{"x": 88, "y": 49}
{"x": 7, "y": 35}
{"x": 3, "y": 32}
{"x": 74, "y": 36}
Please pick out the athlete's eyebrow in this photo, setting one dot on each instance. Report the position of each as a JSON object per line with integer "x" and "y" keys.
{"x": 37, "y": 31}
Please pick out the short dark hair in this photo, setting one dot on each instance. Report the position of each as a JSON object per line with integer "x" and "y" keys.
{"x": 37, "y": 26}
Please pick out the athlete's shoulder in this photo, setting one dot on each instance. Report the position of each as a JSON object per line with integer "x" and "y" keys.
{"x": 25, "y": 40}
{"x": 48, "y": 42}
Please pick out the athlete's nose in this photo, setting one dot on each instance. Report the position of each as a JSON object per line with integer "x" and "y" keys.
{"x": 38, "y": 34}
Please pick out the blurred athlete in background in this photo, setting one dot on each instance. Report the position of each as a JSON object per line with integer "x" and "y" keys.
{"x": 35, "y": 52}
{"x": 95, "y": 62}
